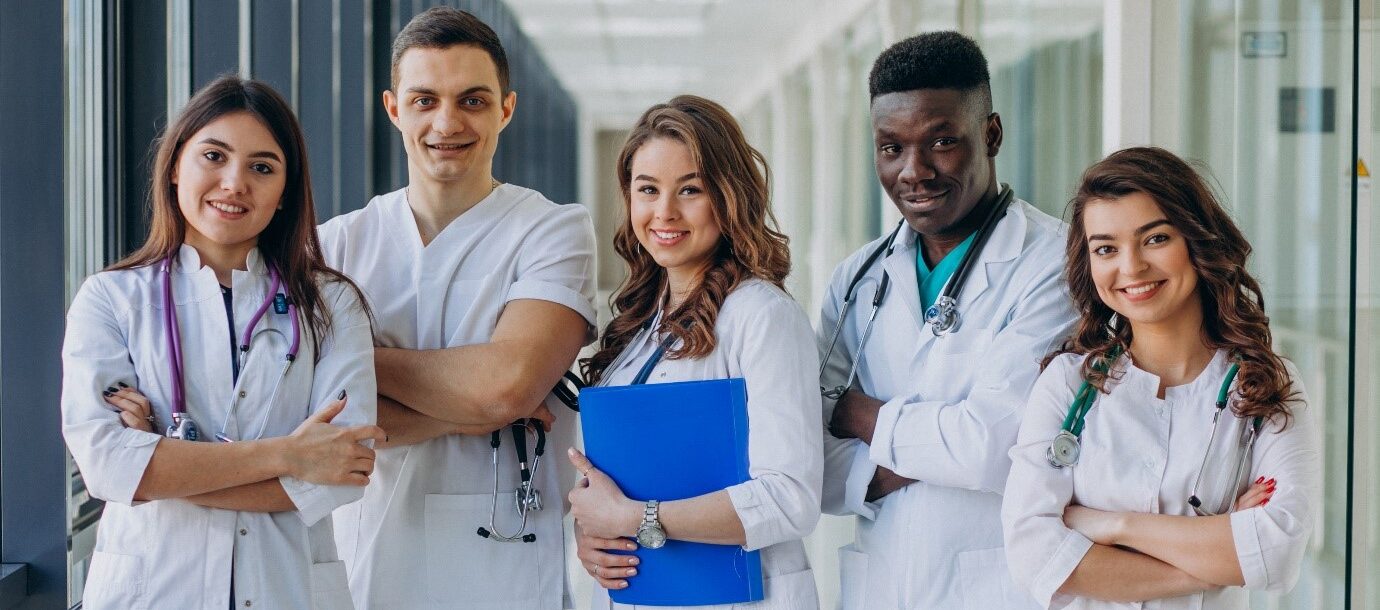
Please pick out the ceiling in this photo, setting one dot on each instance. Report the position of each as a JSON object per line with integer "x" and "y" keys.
{"x": 617, "y": 57}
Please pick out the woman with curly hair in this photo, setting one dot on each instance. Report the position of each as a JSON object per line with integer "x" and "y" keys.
{"x": 1167, "y": 455}
{"x": 706, "y": 272}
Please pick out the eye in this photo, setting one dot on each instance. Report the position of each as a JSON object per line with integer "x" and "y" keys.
{"x": 1103, "y": 250}
{"x": 262, "y": 168}
{"x": 213, "y": 155}
{"x": 689, "y": 190}
{"x": 424, "y": 102}
{"x": 889, "y": 150}
{"x": 473, "y": 102}
{"x": 1157, "y": 238}
{"x": 647, "y": 189}
{"x": 944, "y": 143}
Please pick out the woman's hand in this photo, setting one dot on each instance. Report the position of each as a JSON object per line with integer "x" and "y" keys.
{"x": 1258, "y": 494}
{"x": 1100, "y": 526}
{"x": 610, "y": 570}
{"x": 133, "y": 407}
{"x": 599, "y": 507}
{"x": 323, "y": 453}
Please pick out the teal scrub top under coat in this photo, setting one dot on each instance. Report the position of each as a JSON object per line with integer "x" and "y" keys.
{"x": 931, "y": 281}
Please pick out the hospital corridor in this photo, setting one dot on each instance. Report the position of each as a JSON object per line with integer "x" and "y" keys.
{"x": 599, "y": 192}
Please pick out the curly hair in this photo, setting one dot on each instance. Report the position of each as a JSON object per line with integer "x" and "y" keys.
{"x": 737, "y": 180}
{"x": 934, "y": 60}
{"x": 1233, "y": 307}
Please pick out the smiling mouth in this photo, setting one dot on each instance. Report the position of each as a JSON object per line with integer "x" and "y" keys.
{"x": 227, "y": 208}
{"x": 1140, "y": 289}
{"x": 922, "y": 199}
{"x": 447, "y": 147}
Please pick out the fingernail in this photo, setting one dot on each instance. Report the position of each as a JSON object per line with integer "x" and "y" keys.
{"x": 1271, "y": 481}
{"x": 632, "y": 547}
{"x": 570, "y": 451}
{"x": 1260, "y": 480}
{"x": 111, "y": 390}
{"x": 1266, "y": 501}
{"x": 122, "y": 384}
{"x": 341, "y": 396}
{"x": 107, "y": 393}
{"x": 623, "y": 585}
{"x": 632, "y": 571}
{"x": 632, "y": 561}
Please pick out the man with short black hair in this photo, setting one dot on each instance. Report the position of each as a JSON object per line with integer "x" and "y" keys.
{"x": 917, "y": 446}
{"x": 483, "y": 293}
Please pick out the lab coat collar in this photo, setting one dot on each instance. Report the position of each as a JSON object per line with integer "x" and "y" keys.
{"x": 1003, "y": 245}
{"x": 189, "y": 261}
{"x": 1149, "y": 383}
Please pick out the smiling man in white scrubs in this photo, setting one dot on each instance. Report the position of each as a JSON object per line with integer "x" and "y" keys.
{"x": 483, "y": 295}
{"x": 919, "y": 442}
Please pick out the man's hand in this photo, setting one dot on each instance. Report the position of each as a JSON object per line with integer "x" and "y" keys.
{"x": 855, "y": 416}
{"x": 884, "y": 482}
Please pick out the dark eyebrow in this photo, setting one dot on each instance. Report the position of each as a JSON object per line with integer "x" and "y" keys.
{"x": 1141, "y": 231}
{"x": 471, "y": 91}
{"x": 689, "y": 176}
{"x": 258, "y": 155}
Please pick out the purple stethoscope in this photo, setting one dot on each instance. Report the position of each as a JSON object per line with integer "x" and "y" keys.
{"x": 182, "y": 425}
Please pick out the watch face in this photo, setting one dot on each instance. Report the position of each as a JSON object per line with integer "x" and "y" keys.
{"x": 651, "y": 537}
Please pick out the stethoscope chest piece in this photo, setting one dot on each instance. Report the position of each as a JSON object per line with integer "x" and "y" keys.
{"x": 183, "y": 428}
{"x": 943, "y": 316}
{"x": 1063, "y": 450}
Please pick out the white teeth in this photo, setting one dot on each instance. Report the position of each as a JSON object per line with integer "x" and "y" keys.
{"x": 1143, "y": 289}
{"x": 667, "y": 234}
{"x": 227, "y": 208}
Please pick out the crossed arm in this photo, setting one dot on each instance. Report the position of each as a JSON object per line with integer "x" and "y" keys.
{"x": 479, "y": 388}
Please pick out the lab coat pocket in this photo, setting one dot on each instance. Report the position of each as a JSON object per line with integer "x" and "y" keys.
{"x": 330, "y": 588}
{"x": 464, "y": 569}
{"x": 852, "y": 579}
{"x": 793, "y": 591}
{"x": 114, "y": 581}
{"x": 986, "y": 581}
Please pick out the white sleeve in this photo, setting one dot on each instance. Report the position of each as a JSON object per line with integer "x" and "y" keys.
{"x": 965, "y": 444}
{"x": 1272, "y": 539}
{"x": 95, "y": 356}
{"x": 345, "y": 362}
{"x": 557, "y": 263}
{"x": 781, "y": 500}
{"x": 848, "y": 470}
{"x": 1041, "y": 551}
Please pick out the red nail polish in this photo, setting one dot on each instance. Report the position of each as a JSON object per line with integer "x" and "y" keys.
{"x": 1260, "y": 480}
{"x": 1265, "y": 501}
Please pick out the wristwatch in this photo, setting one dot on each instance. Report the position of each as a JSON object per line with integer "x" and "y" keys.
{"x": 649, "y": 534}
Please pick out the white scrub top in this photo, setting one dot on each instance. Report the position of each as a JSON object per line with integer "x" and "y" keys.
{"x": 172, "y": 553}
{"x": 1142, "y": 454}
{"x": 765, "y": 338}
{"x": 411, "y": 542}
{"x": 952, "y": 408}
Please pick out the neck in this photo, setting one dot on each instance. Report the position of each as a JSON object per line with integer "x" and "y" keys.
{"x": 223, "y": 259}
{"x": 681, "y": 282}
{"x": 436, "y": 204}
{"x": 938, "y": 246}
{"x": 1173, "y": 350}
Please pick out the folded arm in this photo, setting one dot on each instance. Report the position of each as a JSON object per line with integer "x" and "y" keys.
{"x": 488, "y": 385}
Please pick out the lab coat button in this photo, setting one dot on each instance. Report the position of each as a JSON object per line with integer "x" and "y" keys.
{"x": 244, "y": 532}
{"x": 242, "y": 393}
{"x": 248, "y": 603}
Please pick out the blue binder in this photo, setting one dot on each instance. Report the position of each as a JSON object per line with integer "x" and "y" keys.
{"x": 672, "y": 441}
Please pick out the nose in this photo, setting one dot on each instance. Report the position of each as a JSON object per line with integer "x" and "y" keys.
{"x": 666, "y": 207}
{"x": 446, "y": 121}
{"x": 915, "y": 168}
{"x": 1133, "y": 262}
{"x": 232, "y": 178}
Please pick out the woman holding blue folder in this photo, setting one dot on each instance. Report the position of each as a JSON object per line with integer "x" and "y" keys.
{"x": 704, "y": 300}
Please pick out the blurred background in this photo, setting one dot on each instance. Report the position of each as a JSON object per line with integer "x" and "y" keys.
{"x": 1276, "y": 98}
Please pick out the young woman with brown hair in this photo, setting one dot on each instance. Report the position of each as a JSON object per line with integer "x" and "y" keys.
{"x": 218, "y": 383}
{"x": 706, "y": 274}
{"x": 1166, "y": 453}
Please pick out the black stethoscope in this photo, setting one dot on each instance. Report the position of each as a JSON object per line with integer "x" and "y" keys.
{"x": 942, "y": 317}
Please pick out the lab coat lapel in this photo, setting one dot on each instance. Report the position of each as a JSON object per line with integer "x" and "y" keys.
{"x": 1003, "y": 246}
{"x": 900, "y": 267}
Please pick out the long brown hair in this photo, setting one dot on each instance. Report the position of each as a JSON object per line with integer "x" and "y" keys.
{"x": 288, "y": 244}
{"x": 1233, "y": 308}
{"x": 737, "y": 179}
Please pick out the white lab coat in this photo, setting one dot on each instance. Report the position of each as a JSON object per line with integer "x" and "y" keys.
{"x": 952, "y": 408}
{"x": 411, "y": 542}
{"x": 172, "y": 553}
{"x": 1142, "y": 454}
{"x": 763, "y": 337}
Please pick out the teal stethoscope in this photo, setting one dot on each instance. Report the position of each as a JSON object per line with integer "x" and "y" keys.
{"x": 1064, "y": 450}
{"x": 942, "y": 317}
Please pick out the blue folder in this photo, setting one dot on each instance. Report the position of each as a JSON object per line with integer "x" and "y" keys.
{"x": 671, "y": 441}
